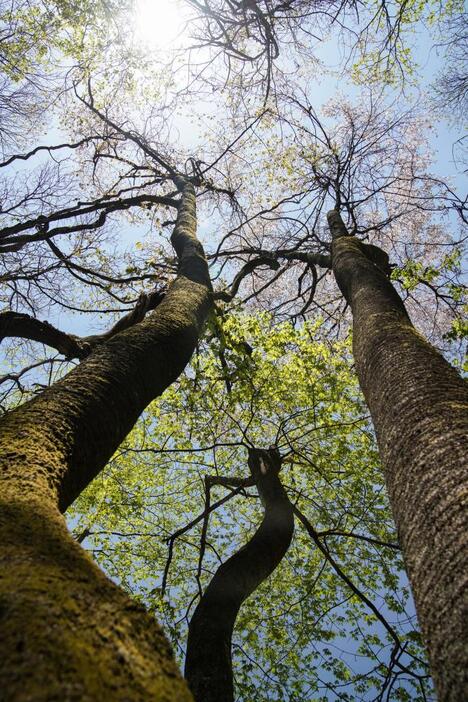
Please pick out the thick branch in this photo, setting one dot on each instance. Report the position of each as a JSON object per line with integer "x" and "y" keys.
{"x": 17, "y": 324}
{"x": 146, "y": 302}
{"x": 270, "y": 260}
{"x": 250, "y": 266}
{"x": 313, "y": 259}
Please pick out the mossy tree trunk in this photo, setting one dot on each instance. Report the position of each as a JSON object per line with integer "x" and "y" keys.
{"x": 419, "y": 406}
{"x": 67, "y": 632}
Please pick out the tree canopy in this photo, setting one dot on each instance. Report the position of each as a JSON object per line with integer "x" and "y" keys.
{"x": 202, "y": 200}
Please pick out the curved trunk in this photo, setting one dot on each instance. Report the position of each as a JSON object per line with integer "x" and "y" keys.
{"x": 419, "y": 406}
{"x": 67, "y": 632}
{"x": 208, "y": 665}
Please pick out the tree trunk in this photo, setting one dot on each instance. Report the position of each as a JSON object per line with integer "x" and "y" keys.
{"x": 67, "y": 632}
{"x": 418, "y": 404}
{"x": 208, "y": 665}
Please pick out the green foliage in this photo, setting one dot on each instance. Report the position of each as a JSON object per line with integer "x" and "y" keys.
{"x": 254, "y": 383}
{"x": 459, "y": 329}
{"x": 35, "y": 32}
{"x": 385, "y": 48}
{"x": 414, "y": 272}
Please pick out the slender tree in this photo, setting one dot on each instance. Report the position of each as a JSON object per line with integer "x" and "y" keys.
{"x": 208, "y": 665}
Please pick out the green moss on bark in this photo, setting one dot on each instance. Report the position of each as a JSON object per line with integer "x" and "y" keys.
{"x": 67, "y": 632}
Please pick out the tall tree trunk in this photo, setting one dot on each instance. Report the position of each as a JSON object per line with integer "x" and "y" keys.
{"x": 67, "y": 632}
{"x": 208, "y": 665}
{"x": 419, "y": 406}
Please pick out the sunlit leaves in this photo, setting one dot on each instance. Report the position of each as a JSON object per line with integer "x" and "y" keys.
{"x": 303, "y": 633}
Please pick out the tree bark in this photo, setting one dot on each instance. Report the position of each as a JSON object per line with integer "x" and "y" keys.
{"x": 418, "y": 404}
{"x": 208, "y": 665}
{"x": 67, "y": 632}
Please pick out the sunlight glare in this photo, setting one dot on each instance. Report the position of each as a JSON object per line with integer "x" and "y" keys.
{"x": 159, "y": 23}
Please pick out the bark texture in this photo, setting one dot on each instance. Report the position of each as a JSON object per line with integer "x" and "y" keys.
{"x": 208, "y": 666}
{"x": 419, "y": 406}
{"x": 67, "y": 632}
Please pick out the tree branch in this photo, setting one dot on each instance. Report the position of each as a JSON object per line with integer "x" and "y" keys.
{"x": 18, "y": 324}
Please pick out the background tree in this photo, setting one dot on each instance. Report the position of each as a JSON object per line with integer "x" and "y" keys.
{"x": 208, "y": 665}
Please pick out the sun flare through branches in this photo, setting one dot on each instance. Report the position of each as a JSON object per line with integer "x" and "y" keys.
{"x": 160, "y": 24}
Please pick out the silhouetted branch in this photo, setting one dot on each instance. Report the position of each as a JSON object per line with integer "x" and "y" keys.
{"x": 341, "y": 574}
{"x": 18, "y": 324}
